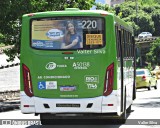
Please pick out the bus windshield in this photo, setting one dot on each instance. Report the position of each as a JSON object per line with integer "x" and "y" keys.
{"x": 58, "y": 33}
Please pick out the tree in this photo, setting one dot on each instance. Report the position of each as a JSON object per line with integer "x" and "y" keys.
{"x": 140, "y": 21}
{"x": 156, "y": 19}
{"x": 148, "y": 9}
{"x": 10, "y": 23}
{"x": 100, "y": 6}
{"x": 153, "y": 55}
{"x": 145, "y": 23}
{"x": 11, "y": 17}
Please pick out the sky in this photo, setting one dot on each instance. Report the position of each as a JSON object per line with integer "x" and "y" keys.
{"x": 98, "y": 1}
{"x": 101, "y": 1}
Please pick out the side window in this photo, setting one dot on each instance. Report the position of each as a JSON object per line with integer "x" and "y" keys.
{"x": 118, "y": 38}
{"x": 127, "y": 44}
{"x": 122, "y": 41}
{"x": 130, "y": 45}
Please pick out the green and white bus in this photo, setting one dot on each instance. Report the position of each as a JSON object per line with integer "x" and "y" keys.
{"x": 76, "y": 62}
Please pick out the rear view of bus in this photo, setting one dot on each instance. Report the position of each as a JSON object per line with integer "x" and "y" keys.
{"x": 69, "y": 64}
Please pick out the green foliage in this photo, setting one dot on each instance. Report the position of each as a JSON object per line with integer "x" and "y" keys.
{"x": 156, "y": 19}
{"x": 148, "y": 9}
{"x": 143, "y": 15}
{"x": 149, "y": 67}
{"x": 153, "y": 55}
{"x": 12, "y": 11}
{"x": 145, "y": 23}
{"x": 126, "y": 9}
{"x": 100, "y": 6}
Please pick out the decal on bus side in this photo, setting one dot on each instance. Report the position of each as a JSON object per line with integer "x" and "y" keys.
{"x": 92, "y": 86}
{"x": 81, "y": 65}
{"x": 91, "y": 81}
{"x": 53, "y": 77}
{"x": 42, "y": 85}
{"x": 64, "y": 88}
{"x": 91, "y": 78}
{"x": 95, "y": 51}
{"x": 52, "y": 65}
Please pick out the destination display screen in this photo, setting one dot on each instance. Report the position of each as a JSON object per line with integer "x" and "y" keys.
{"x": 67, "y": 33}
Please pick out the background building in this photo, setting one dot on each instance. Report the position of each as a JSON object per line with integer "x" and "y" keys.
{"x": 109, "y": 2}
{"x": 113, "y": 2}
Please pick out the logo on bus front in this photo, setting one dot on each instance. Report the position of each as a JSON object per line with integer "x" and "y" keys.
{"x": 51, "y": 66}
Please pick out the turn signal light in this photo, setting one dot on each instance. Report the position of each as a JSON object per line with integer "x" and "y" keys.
{"x": 108, "y": 83}
{"x": 27, "y": 81}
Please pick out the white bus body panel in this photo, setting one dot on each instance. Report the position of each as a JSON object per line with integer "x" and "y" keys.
{"x": 100, "y": 104}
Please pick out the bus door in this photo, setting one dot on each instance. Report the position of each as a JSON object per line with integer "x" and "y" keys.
{"x": 119, "y": 37}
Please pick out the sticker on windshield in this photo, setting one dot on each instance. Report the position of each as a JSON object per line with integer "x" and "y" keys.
{"x": 55, "y": 34}
{"x": 94, "y": 39}
{"x": 47, "y": 34}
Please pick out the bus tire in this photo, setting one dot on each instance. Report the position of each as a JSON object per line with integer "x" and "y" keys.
{"x": 46, "y": 119}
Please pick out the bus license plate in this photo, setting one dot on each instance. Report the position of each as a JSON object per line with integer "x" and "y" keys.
{"x": 68, "y": 105}
{"x": 67, "y": 88}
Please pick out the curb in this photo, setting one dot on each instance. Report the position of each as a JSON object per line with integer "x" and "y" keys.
{"x": 5, "y": 108}
{"x": 7, "y": 66}
{"x": 8, "y": 106}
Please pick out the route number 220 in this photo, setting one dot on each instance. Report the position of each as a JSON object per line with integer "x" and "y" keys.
{"x": 89, "y": 24}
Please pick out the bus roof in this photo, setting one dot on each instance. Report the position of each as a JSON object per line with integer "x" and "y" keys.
{"x": 75, "y": 11}
{"x": 122, "y": 23}
{"x": 71, "y": 11}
